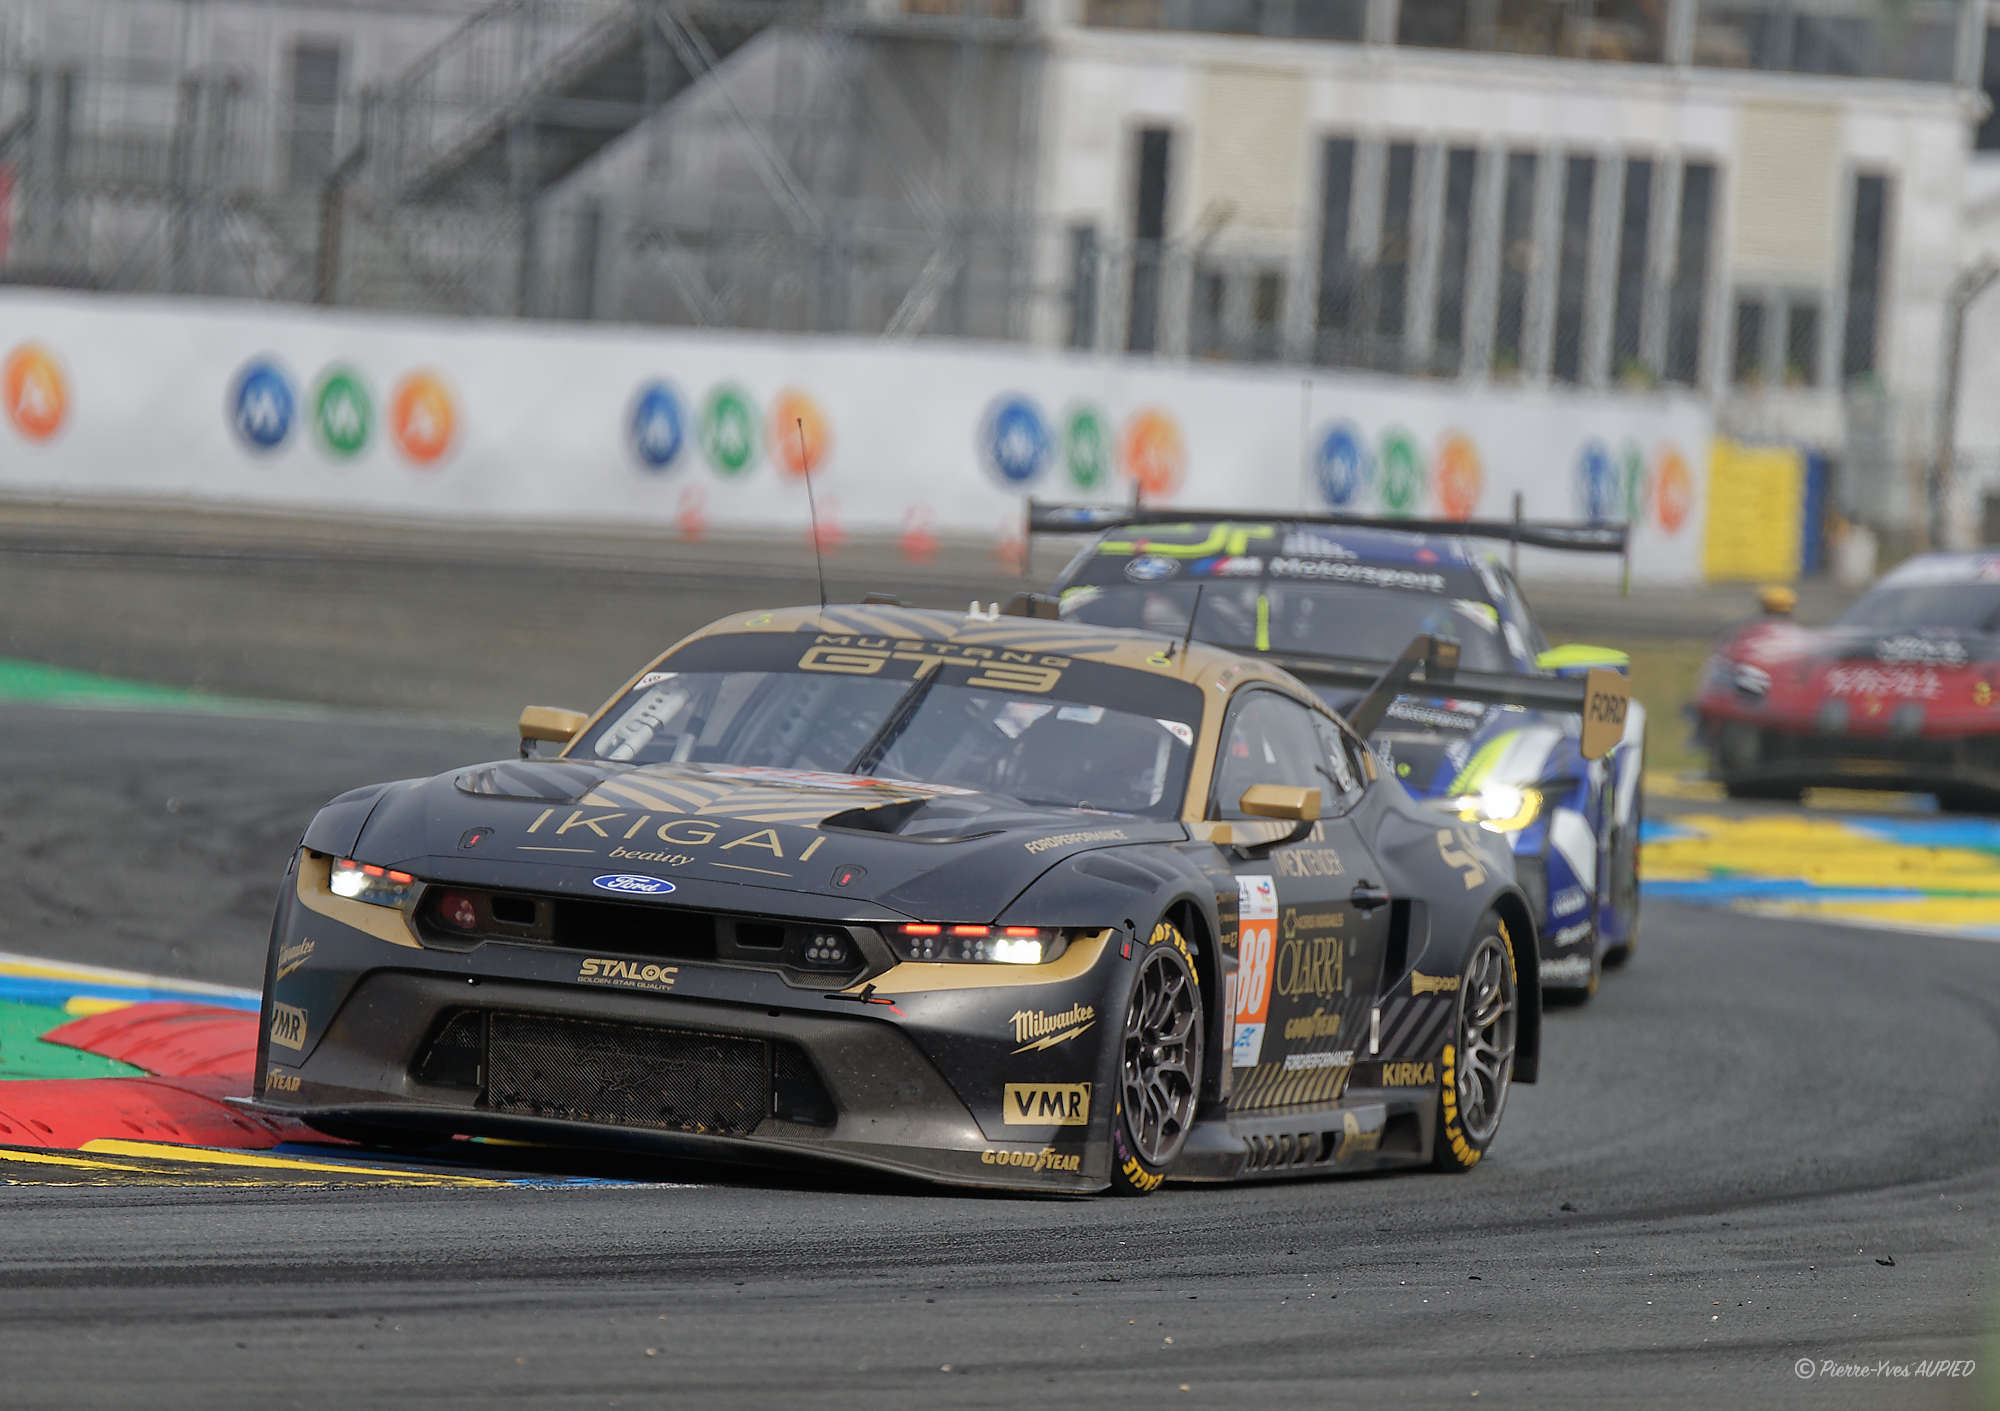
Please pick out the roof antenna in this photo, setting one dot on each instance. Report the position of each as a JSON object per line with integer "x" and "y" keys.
{"x": 1193, "y": 613}
{"x": 812, "y": 508}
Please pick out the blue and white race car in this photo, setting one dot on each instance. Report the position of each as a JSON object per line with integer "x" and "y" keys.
{"x": 1335, "y": 598}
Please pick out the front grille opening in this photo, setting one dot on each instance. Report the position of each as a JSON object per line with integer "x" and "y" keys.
{"x": 756, "y": 935}
{"x": 625, "y": 1075}
{"x": 665, "y": 933}
{"x": 810, "y": 953}
{"x": 456, "y": 1054}
{"x": 513, "y": 911}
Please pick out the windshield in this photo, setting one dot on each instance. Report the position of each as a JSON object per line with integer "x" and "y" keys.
{"x": 1319, "y": 619}
{"x": 1960, "y": 606}
{"x": 1074, "y": 735}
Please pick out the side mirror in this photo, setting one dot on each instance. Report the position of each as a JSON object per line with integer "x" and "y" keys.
{"x": 1777, "y": 600}
{"x": 550, "y": 724}
{"x": 1290, "y": 801}
{"x": 1576, "y": 659}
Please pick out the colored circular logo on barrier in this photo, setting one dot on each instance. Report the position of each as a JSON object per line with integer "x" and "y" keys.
{"x": 1087, "y": 449}
{"x": 343, "y": 413}
{"x": 1014, "y": 441}
{"x": 1459, "y": 477}
{"x": 1674, "y": 490}
{"x": 656, "y": 427}
{"x": 262, "y": 405}
{"x": 1402, "y": 472}
{"x": 1638, "y": 485}
{"x": 729, "y": 431}
{"x": 37, "y": 392}
{"x": 1597, "y": 491}
{"x": 801, "y": 439}
{"x": 422, "y": 418}
{"x": 1154, "y": 455}
{"x": 1340, "y": 465}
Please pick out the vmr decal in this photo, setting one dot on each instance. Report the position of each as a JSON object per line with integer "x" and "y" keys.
{"x": 1256, "y": 944}
{"x": 1039, "y": 1029}
{"x": 1046, "y": 1105}
{"x": 288, "y": 1026}
{"x": 627, "y": 974}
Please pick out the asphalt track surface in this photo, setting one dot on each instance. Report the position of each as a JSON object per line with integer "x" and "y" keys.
{"x": 1764, "y": 1142}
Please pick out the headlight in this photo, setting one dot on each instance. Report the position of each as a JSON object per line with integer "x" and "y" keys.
{"x": 978, "y": 945}
{"x": 1502, "y": 808}
{"x": 364, "y": 881}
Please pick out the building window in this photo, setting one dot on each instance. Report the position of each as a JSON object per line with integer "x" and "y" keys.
{"x": 314, "y": 81}
{"x": 1335, "y": 315}
{"x": 1461, "y": 168}
{"x": 1267, "y": 315}
{"x": 1688, "y": 294}
{"x": 1747, "y": 367}
{"x": 1208, "y": 311}
{"x": 1149, "y": 227}
{"x": 1392, "y": 260}
{"x": 1631, "y": 31}
{"x": 1867, "y": 248}
{"x": 1629, "y": 300}
{"x": 1083, "y": 256}
{"x": 1802, "y": 340}
{"x": 1988, "y": 139}
{"x": 1573, "y": 271}
{"x": 1517, "y": 262}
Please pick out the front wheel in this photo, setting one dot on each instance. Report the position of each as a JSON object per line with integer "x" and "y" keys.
{"x": 1478, "y": 1064}
{"x": 1159, "y": 1064}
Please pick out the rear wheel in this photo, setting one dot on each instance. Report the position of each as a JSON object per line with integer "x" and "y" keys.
{"x": 1159, "y": 1064}
{"x": 1967, "y": 801}
{"x": 1478, "y": 1066}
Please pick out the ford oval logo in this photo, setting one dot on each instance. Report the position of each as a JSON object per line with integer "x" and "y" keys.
{"x": 1151, "y": 569}
{"x": 628, "y": 882}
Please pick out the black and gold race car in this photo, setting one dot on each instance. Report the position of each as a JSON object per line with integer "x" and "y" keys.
{"x": 987, "y": 899}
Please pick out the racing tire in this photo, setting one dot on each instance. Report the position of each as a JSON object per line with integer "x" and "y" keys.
{"x": 1477, "y": 1065}
{"x": 1625, "y": 882}
{"x": 1756, "y": 791}
{"x": 1967, "y": 801}
{"x": 1159, "y": 1064}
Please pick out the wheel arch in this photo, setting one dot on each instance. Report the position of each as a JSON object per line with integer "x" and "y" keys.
{"x": 1512, "y": 909}
{"x": 1197, "y": 924}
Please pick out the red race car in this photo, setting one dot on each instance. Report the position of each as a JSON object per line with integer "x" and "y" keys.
{"x": 1900, "y": 693}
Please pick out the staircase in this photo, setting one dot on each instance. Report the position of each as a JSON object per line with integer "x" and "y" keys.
{"x": 528, "y": 91}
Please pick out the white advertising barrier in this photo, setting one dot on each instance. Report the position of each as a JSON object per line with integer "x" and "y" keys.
{"x": 284, "y": 407}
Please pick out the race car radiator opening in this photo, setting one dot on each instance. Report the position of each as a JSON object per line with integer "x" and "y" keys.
{"x": 625, "y": 1075}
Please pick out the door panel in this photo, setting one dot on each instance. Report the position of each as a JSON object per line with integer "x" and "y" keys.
{"x": 1309, "y": 955}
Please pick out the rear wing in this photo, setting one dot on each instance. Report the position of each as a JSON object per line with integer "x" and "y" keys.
{"x": 1429, "y": 666}
{"x": 1565, "y": 535}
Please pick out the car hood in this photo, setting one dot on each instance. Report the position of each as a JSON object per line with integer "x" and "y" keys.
{"x": 724, "y": 833}
{"x": 1785, "y": 644}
